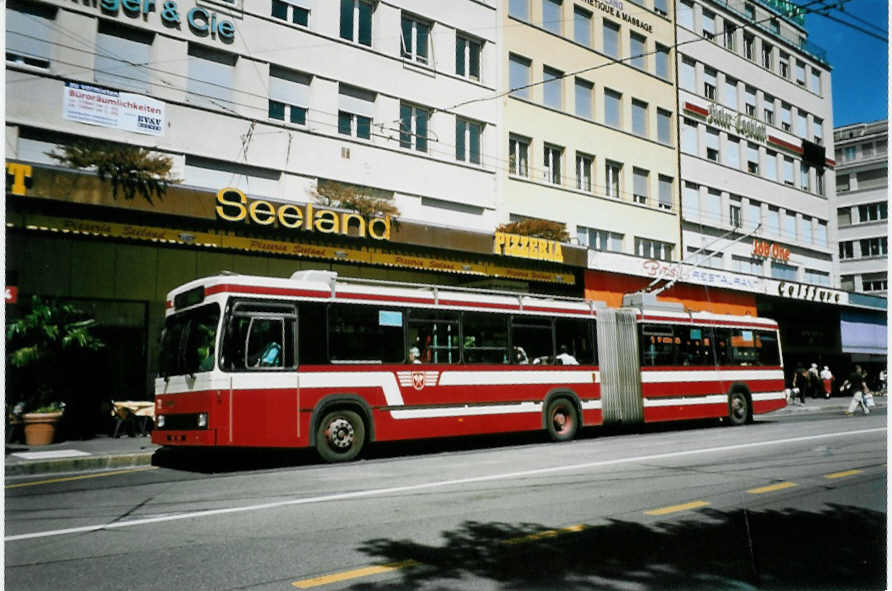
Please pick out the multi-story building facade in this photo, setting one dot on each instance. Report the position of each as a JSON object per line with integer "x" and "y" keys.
{"x": 756, "y": 115}
{"x": 862, "y": 198}
{"x": 588, "y": 124}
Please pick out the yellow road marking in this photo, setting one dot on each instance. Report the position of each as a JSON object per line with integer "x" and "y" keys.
{"x": 842, "y": 474}
{"x": 352, "y": 574}
{"x": 677, "y": 508}
{"x": 82, "y": 477}
{"x": 771, "y": 488}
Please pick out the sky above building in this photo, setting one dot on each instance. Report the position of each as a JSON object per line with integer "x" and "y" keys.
{"x": 860, "y": 62}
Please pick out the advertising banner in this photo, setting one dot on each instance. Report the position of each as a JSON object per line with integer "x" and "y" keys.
{"x": 95, "y": 105}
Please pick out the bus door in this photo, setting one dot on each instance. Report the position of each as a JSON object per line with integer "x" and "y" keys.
{"x": 621, "y": 400}
{"x": 259, "y": 355}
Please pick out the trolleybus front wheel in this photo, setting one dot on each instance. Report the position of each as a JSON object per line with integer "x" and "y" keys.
{"x": 562, "y": 419}
{"x": 340, "y": 436}
{"x": 739, "y": 408}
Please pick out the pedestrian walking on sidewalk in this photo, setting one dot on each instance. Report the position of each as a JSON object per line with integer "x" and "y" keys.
{"x": 827, "y": 380}
{"x": 800, "y": 383}
{"x": 859, "y": 390}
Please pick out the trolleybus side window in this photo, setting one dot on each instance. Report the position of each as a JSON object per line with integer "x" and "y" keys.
{"x": 694, "y": 344}
{"x": 259, "y": 336}
{"x": 532, "y": 340}
{"x": 578, "y": 335}
{"x": 365, "y": 334}
{"x": 658, "y": 344}
{"x": 739, "y": 346}
{"x": 435, "y": 334}
{"x": 188, "y": 341}
{"x": 313, "y": 342}
{"x": 485, "y": 338}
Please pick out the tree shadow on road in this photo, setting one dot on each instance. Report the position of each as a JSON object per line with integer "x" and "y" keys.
{"x": 840, "y": 548}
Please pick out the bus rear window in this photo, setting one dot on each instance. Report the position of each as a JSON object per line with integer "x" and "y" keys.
{"x": 188, "y": 341}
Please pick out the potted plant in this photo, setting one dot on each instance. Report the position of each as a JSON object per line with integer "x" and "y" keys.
{"x": 46, "y": 348}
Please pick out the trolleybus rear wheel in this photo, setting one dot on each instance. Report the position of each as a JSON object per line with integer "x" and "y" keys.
{"x": 562, "y": 419}
{"x": 340, "y": 436}
{"x": 739, "y": 408}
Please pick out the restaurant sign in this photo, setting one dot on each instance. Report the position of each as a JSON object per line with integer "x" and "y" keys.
{"x": 234, "y": 206}
{"x": 527, "y": 247}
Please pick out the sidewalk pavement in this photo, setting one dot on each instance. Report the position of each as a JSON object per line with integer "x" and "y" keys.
{"x": 105, "y": 452}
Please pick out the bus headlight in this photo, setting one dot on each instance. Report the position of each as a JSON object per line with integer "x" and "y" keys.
{"x": 159, "y": 422}
{"x": 202, "y": 420}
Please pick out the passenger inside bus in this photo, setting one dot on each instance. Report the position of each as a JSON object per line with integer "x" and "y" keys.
{"x": 414, "y": 355}
{"x": 565, "y": 357}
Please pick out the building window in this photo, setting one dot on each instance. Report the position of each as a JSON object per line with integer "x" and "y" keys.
{"x": 819, "y": 181}
{"x": 639, "y": 118}
{"x": 612, "y": 111}
{"x": 872, "y": 212}
{"x": 584, "y": 98}
{"x": 665, "y": 195}
{"x": 356, "y": 108}
{"x": 874, "y": 247}
{"x": 784, "y": 62}
{"x": 356, "y": 21}
{"x": 709, "y": 83}
{"x": 518, "y": 156}
{"x": 768, "y": 107}
{"x": 611, "y": 39}
{"x": 786, "y": 117}
{"x": 816, "y": 277}
{"x": 866, "y": 150}
{"x": 753, "y": 213}
{"x": 752, "y": 158}
{"x": 846, "y": 250}
{"x": 773, "y": 221}
{"x": 770, "y": 171}
{"x": 29, "y": 34}
{"x": 552, "y": 163}
{"x": 640, "y": 182}
{"x": 661, "y": 7}
{"x": 732, "y": 152}
{"x": 849, "y": 153}
{"x": 730, "y": 96}
{"x": 789, "y": 226}
{"x": 690, "y": 201}
{"x": 414, "y": 42}
{"x": 664, "y": 126}
{"x": 800, "y": 73}
{"x": 467, "y": 140}
{"x": 730, "y": 32}
{"x": 638, "y": 51}
{"x": 788, "y": 171}
{"x": 749, "y": 98}
{"x": 413, "y": 127}
{"x": 687, "y": 75}
{"x": 803, "y": 177}
{"x": 712, "y": 207}
{"x": 750, "y": 11}
{"x": 123, "y": 55}
{"x": 874, "y": 282}
{"x": 734, "y": 217}
{"x": 705, "y": 258}
{"x": 822, "y": 233}
{"x": 653, "y": 249}
{"x": 296, "y": 11}
{"x": 519, "y": 9}
{"x": 582, "y": 26}
{"x": 712, "y": 145}
{"x": 801, "y": 124}
{"x": 814, "y": 81}
{"x": 612, "y": 174}
{"x": 519, "y": 76}
{"x": 818, "y": 126}
{"x": 746, "y": 265}
{"x": 211, "y": 77}
{"x": 551, "y": 90}
{"x": 847, "y": 282}
{"x": 599, "y": 239}
{"x": 551, "y": 16}
{"x": 767, "y": 59}
{"x": 689, "y": 137}
{"x": 749, "y": 47}
{"x": 783, "y": 271}
{"x": 844, "y": 216}
{"x": 806, "y": 233}
{"x": 584, "y": 172}
{"x": 686, "y": 14}
{"x": 708, "y": 25}
{"x": 289, "y": 95}
{"x": 662, "y": 62}
{"x": 467, "y": 57}
{"x": 774, "y": 25}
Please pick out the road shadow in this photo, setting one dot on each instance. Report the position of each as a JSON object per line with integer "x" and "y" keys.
{"x": 839, "y": 548}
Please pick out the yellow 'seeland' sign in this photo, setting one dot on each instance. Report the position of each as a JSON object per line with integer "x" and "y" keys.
{"x": 527, "y": 247}
{"x": 234, "y": 206}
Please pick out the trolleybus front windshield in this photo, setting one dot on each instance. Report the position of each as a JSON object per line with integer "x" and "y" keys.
{"x": 188, "y": 341}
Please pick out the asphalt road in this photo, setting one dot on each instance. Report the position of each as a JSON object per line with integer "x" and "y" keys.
{"x": 786, "y": 503}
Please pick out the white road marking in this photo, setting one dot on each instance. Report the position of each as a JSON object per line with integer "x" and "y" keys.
{"x": 429, "y": 485}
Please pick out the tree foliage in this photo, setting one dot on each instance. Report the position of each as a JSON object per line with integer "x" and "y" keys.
{"x": 46, "y": 347}
{"x": 352, "y": 197}
{"x": 537, "y": 229}
{"x": 130, "y": 169}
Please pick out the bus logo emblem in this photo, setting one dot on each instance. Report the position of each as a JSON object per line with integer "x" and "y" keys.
{"x": 418, "y": 380}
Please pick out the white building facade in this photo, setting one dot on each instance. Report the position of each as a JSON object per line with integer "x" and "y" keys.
{"x": 862, "y": 196}
{"x": 755, "y": 124}
{"x": 270, "y": 96}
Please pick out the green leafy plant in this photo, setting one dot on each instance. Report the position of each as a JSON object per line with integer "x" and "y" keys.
{"x": 45, "y": 349}
{"x": 130, "y": 169}
{"x": 537, "y": 229}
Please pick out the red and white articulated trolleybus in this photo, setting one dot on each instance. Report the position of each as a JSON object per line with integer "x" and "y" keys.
{"x": 332, "y": 363}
